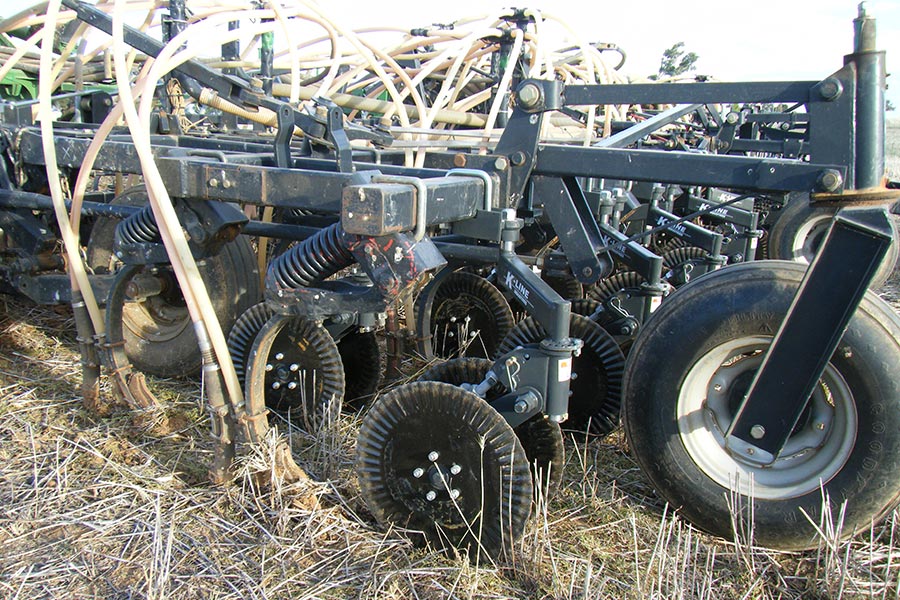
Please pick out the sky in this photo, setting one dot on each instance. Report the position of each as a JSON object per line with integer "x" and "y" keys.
{"x": 763, "y": 40}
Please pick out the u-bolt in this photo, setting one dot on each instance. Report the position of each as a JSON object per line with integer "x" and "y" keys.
{"x": 488, "y": 183}
{"x": 421, "y": 198}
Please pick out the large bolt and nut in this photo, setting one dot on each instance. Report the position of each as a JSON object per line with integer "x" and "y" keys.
{"x": 529, "y": 95}
{"x": 830, "y": 180}
{"x": 518, "y": 158}
{"x": 831, "y": 89}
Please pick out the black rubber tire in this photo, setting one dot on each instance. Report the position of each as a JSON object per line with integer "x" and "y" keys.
{"x": 363, "y": 366}
{"x": 300, "y": 353}
{"x": 158, "y": 333}
{"x": 584, "y": 307}
{"x": 665, "y": 388}
{"x": 800, "y": 228}
{"x": 458, "y": 296}
{"x": 567, "y": 287}
{"x": 624, "y": 283}
{"x": 596, "y": 373}
{"x": 680, "y": 265}
{"x": 397, "y": 435}
{"x": 541, "y": 438}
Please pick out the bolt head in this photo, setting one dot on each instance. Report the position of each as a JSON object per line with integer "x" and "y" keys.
{"x": 269, "y": 368}
{"x": 831, "y": 89}
{"x": 279, "y": 356}
{"x": 454, "y": 494}
{"x": 292, "y": 385}
{"x": 830, "y": 180}
{"x": 455, "y": 470}
{"x": 521, "y": 406}
{"x": 757, "y": 432}
{"x": 501, "y": 163}
{"x": 276, "y": 385}
{"x": 732, "y": 118}
{"x": 418, "y": 472}
{"x": 529, "y": 95}
{"x": 295, "y": 367}
{"x": 431, "y": 495}
{"x": 433, "y": 455}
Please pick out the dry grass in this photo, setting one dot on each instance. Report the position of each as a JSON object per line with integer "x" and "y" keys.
{"x": 892, "y": 146}
{"x": 106, "y": 508}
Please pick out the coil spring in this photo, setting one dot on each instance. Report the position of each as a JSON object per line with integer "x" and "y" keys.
{"x": 312, "y": 260}
{"x": 139, "y": 228}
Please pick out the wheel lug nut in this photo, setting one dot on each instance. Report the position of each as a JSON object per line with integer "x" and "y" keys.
{"x": 455, "y": 470}
{"x": 269, "y": 368}
{"x": 418, "y": 472}
{"x": 279, "y": 356}
{"x": 431, "y": 496}
{"x": 433, "y": 456}
{"x": 454, "y": 494}
{"x": 292, "y": 385}
{"x": 276, "y": 385}
{"x": 295, "y": 367}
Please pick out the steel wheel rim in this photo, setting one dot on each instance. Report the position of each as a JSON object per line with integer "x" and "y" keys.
{"x": 816, "y": 451}
{"x": 809, "y": 237}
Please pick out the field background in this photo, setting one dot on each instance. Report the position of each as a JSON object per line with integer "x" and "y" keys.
{"x": 120, "y": 507}
{"x": 892, "y": 146}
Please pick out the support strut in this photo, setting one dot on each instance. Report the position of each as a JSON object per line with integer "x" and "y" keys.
{"x": 810, "y": 333}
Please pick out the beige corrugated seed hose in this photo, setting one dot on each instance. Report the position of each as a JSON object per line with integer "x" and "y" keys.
{"x": 193, "y": 290}
{"x": 77, "y": 272}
